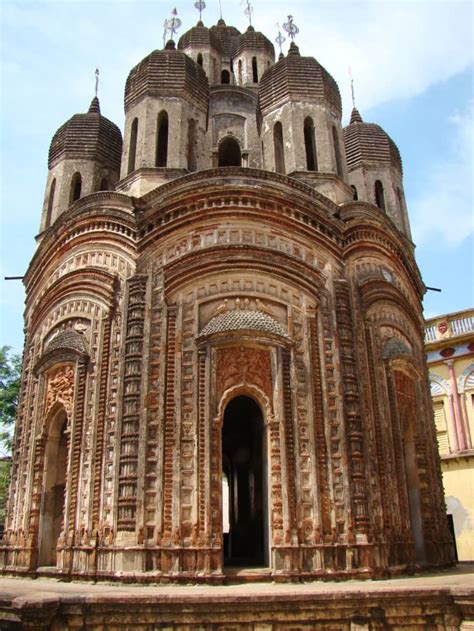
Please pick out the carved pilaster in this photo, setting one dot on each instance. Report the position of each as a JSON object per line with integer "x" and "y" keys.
{"x": 289, "y": 439}
{"x": 75, "y": 446}
{"x": 354, "y": 430}
{"x": 130, "y": 427}
{"x": 202, "y": 443}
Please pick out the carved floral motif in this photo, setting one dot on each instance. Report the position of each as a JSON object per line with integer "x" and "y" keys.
{"x": 60, "y": 388}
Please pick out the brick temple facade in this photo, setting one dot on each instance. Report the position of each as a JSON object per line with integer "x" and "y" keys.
{"x": 224, "y": 363}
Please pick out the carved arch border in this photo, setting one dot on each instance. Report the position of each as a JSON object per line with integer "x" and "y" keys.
{"x": 464, "y": 377}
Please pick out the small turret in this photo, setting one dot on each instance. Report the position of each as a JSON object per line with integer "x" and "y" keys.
{"x": 252, "y": 55}
{"x": 375, "y": 169}
{"x": 84, "y": 157}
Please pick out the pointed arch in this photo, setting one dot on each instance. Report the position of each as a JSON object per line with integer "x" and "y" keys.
{"x": 229, "y": 154}
{"x": 132, "y": 147}
{"x": 278, "y": 148}
{"x": 49, "y": 212}
{"x": 379, "y": 194}
{"x": 254, "y": 70}
{"x": 76, "y": 187}
{"x": 337, "y": 151}
{"x": 192, "y": 139}
{"x": 310, "y": 144}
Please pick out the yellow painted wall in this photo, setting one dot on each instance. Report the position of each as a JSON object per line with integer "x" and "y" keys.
{"x": 458, "y": 479}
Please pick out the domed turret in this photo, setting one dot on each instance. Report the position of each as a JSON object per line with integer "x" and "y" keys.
{"x": 200, "y": 44}
{"x": 375, "y": 169}
{"x": 84, "y": 156}
{"x": 166, "y": 102}
{"x": 224, "y": 38}
{"x": 252, "y": 55}
{"x": 300, "y": 110}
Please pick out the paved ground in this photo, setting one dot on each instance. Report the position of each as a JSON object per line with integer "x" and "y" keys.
{"x": 459, "y": 579}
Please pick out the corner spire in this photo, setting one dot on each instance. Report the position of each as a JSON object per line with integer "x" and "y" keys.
{"x": 94, "y": 107}
{"x": 355, "y": 116}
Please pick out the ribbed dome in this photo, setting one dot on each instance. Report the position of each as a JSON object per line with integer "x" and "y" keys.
{"x": 297, "y": 78}
{"x": 198, "y": 35}
{"x": 253, "y": 40}
{"x": 224, "y": 37}
{"x": 88, "y": 136}
{"x": 167, "y": 72}
{"x": 368, "y": 143}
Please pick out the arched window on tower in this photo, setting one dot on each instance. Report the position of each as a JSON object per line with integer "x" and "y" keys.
{"x": 192, "y": 145}
{"x": 254, "y": 70}
{"x": 310, "y": 144}
{"x": 76, "y": 187}
{"x": 337, "y": 151}
{"x": 49, "y": 212}
{"x": 239, "y": 70}
{"x": 162, "y": 139}
{"x": 379, "y": 195}
{"x": 225, "y": 76}
{"x": 132, "y": 149}
{"x": 278, "y": 148}
{"x": 199, "y": 59}
{"x": 355, "y": 194}
{"x": 229, "y": 153}
{"x": 104, "y": 184}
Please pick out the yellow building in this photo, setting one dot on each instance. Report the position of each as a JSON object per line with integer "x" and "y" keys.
{"x": 450, "y": 356}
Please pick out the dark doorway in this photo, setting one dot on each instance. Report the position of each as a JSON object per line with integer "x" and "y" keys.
{"x": 229, "y": 153}
{"x": 52, "y": 511}
{"x": 243, "y": 484}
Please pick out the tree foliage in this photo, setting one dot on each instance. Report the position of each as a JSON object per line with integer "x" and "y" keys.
{"x": 10, "y": 377}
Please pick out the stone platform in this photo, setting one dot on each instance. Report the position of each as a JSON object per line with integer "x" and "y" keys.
{"x": 434, "y": 601}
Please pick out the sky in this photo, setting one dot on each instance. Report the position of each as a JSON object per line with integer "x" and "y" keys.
{"x": 413, "y": 68}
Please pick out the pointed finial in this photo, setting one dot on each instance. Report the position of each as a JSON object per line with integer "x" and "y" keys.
{"x": 291, "y": 28}
{"x": 352, "y": 87}
{"x": 248, "y": 11}
{"x": 94, "y": 107}
{"x": 200, "y": 6}
{"x": 220, "y": 9}
{"x": 96, "y": 81}
{"x": 279, "y": 39}
{"x": 171, "y": 25}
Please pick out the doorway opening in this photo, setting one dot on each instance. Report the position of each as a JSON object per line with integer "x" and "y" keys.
{"x": 52, "y": 510}
{"x": 244, "y": 490}
{"x": 229, "y": 153}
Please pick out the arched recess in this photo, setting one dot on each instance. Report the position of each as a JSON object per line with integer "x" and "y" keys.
{"x": 379, "y": 194}
{"x": 162, "y": 126}
{"x": 132, "y": 147}
{"x": 76, "y": 187}
{"x": 56, "y": 458}
{"x": 229, "y": 154}
{"x": 278, "y": 148}
{"x": 52, "y": 190}
{"x": 254, "y": 70}
{"x": 310, "y": 144}
{"x": 408, "y": 411}
{"x": 225, "y": 76}
{"x": 192, "y": 140}
{"x": 244, "y": 475}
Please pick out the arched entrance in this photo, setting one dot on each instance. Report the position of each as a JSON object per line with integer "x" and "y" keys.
{"x": 52, "y": 508}
{"x": 229, "y": 153}
{"x": 244, "y": 484}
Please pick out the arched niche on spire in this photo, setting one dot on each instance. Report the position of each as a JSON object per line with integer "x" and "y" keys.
{"x": 229, "y": 153}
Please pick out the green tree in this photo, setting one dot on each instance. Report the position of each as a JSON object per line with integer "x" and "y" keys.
{"x": 10, "y": 377}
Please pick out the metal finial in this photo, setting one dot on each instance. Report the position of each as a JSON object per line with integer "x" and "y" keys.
{"x": 171, "y": 25}
{"x": 291, "y": 28}
{"x": 220, "y": 9}
{"x": 96, "y": 81}
{"x": 248, "y": 11}
{"x": 280, "y": 39}
{"x": 200, "y": 6}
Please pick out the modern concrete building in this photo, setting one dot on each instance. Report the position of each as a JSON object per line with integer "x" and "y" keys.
{"x": 224, "y": 359}
{"x": 450, "y": 354}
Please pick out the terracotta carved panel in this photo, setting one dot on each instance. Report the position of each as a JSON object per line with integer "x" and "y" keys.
{"x": 60, "y": 389}
{"x": 243, "y": 365}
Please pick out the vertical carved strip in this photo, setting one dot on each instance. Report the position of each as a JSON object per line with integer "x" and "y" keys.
{"x": 169, "y": 425}
{"x": 130, "y": 429}
{"x": 290, "y": 439}
{"x": 201, "y": 442}
{"x": 354, "y": 432}
{"x": 99, "y": 439}
{"x": 76, "y": 445}
{"x": 320, "y": 439}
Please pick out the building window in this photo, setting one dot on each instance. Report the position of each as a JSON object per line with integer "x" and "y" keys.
{"x": 104, "y": 184}
{"x": 239, "y": 66}
{"x": 49, "y": 212}
{"x": 76, "y": 186}
{"x": 132, "y": 150}
{"x": 310, "y": 145}
{"x": 199, "y": 59}
{"x": 379, "y": 195}
{"x": 225, "y": 76}
{"x": 355, "y": 194}
{"x": 278, "y": 148}
{"x": 229, "y": 153}
{"x": 254, "y": 70}
{"x": 192, "y": 145}
{"x": 337, "y": 152}
{"x": 162, "y": 140}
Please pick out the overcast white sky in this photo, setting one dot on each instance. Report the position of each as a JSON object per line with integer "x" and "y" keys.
{"x": 412, "y": 62}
